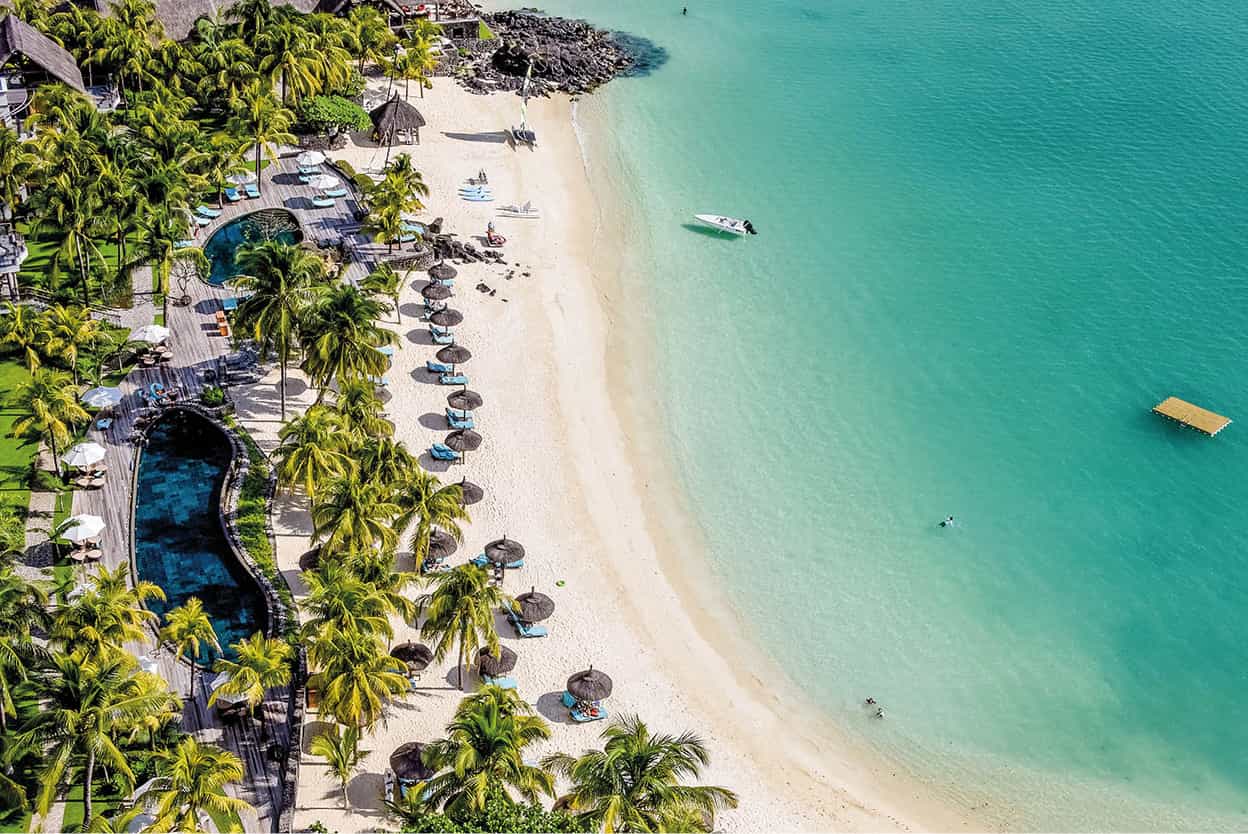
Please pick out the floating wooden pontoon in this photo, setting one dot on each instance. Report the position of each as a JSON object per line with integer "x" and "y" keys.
{"x": 1192, "y": 416}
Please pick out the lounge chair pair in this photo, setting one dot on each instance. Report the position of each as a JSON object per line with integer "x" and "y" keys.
{"x": 232, "y": 195}
{"x": 183, "y": 244}
{"x": 206, "y": 211}
{"x": 524, "y": 629}
{"x": 252, "y": 190}
{"x": 459, "y": 423}
{"x": 444, "y": 338}
{"x": 340, "y": 191}
{"x": 501, "y": 683}
{"x": 322, "y": 201}
{"x": 453, "y": 379}
{"x": 437, "y": 367}
{"x": 440, "y": 451}
{"x": 202, "y": 221}
{"x": 582, "y": 712}
{"x": 481, "y": 562}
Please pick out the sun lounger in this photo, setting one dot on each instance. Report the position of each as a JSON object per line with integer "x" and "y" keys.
{"x": 441, "y": 338}
{"x": 501, "y": 683}
{"x": 583, "y": 712}
{"x": 205, "y": 211}
{"x": 524, "y": 629}
{"x": 104, "y": 423}
{"x": 458, "y": 424}
{"x": 386, "y": 350}
{"x": 439, "y": 331}
{"x": 232, "y": 195}
{"x": 308, "y": 170}
{"x": 441, "y": 452}
{"x": 229, "y": 304}
{"x": 480, "y": 561}
{"x": 321, "y": 201}
{"x": 379, "y": 380}
{"x": 183, "y": 244}
{"x": 340, "y": 191}
{"x": 202, "y": 221}
{"x": 253, "y": 191}
{"x": 437, "y": 367}
{"x": 453, "y": 379}
{"x": 457, "y": 414}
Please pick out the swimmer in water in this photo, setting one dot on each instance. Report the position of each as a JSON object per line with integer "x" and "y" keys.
{"x": 948, "y": 522}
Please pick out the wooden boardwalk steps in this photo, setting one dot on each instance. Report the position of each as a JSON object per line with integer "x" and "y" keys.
{"x": 1192, "y": 416}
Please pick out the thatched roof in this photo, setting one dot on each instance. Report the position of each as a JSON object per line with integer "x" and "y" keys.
{"x": 20, "y": 38}
{"x": 179, "y": 16}
{"x": 393, "y": 116}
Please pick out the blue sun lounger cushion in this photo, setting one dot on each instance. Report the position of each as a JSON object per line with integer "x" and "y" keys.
{"x": 443, "y": 339}
{"x": 441, "y": 452}
{"x": 200, "y": 220}
{"x": 524, "y": 629}
{"x": 457, "y": 414}
{"x": 253, "y": 190}
{"x": 439, "y": 331}
{"x": 336, "y": 192}
{"x": 459, "y": 424}
{"x": 232, "y": 195}
{"x": 205, "y": 211}
{"x": 322, "y": 202}
{"x": 501, "y": 683}
{"x": 596, "y": 713}
{"x": 437, "y": 367}
{"x": 457, "y": 379}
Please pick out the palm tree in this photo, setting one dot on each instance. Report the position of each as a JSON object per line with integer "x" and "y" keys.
{"x": 353, "y": 513}
{"x": 289, "y": 54}
{"x": 263, "y": 663}
{"x": 84, "y": 701}
{"x": 108, "y": 615}
{"x": 190, "y": 629}
{"x": 313, "y": 450}
{"x": 383, "y": 280}
{"x": 16, "y": 170}
{"x": 460, "y": 612}
{"x": 369, "y": 34}
{"x": 282, "y": 280}
{"x": 24, "y": 328}
{"x": 386, "y": 460}
{"x": 506, "y": 701}
{"x": 72, "y": 329}
{"x": 419, "y": 62}
{"x": 426, "y": 501}
{"x": 340, "y": 600}
{"x": 23, "y": 610}
{"x": 362, "y": 412}
{"x": 483, "y": 756}
{"x": 385, "y": 222}
{"x": 635, "y": 783}
{"x": 50, "y": 410}
{"x": 66, "y": 209}
{"x": 259, "y": 115}
{"x": 252, "y": 17}
{"x": 191, "y": 788}
{"x": 342, "y": 339}
{"x": 216, "y": 159}
{"x": 357, "y": 676}
{"x": 341, "y": 751}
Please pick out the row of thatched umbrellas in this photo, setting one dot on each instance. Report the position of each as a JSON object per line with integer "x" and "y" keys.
{"x": 461, "y": 440}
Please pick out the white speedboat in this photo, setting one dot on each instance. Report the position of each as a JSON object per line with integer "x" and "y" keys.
{"x": 726, "y": 224}
{"x": 526, "y": 210}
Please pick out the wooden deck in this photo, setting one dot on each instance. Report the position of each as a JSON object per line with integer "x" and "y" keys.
{"x": 1192, "y": 416}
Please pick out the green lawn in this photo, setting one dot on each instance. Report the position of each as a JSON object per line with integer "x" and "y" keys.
{"x": 15, "y": 824}
{"x": 75, "y": 807}
{"x": 15, "y": 455}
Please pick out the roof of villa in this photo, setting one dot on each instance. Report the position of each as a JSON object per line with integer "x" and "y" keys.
{"x": 20, "y": 38}
{"x": 179, "y": 16}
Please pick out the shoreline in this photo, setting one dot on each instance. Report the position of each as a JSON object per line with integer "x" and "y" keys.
{"x": 563, "y": 432}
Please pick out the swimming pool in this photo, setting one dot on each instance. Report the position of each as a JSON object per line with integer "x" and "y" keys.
{"x": 179, "y": 543}
{"x": 269, "y": 224}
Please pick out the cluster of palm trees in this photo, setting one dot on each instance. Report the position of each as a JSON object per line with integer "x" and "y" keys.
{"x": 415, "y": 58}
{"x": 76, "y": 707}
{"x": 396, "y": 195}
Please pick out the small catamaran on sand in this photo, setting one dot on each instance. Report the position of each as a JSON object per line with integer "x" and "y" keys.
{"x": 524, "y": 135}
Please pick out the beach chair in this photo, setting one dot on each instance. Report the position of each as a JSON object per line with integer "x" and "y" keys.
{"x": 379, "y": 380}
{"x": 583, "y": 712}
{"x": 183, "y": 244}
{"x": 386, "y": 350}
{"x": 501, "y": 683}
{"x": 232, "y": 195}
{"x": 440, "y": 452}
{"x": 252, "y": 190}
{"x": 459, "y": 423}
{"x": 308, "y": 171}
{"x": 437, "y": 367}
{"x": 524, "y": 629}
{"x": 407, "y": 237}
{"x": 439, "y": 331}
{"x": 340, "y": 191}
{"x": 104, "y": 423}
{"x": 202, "y": 221}
{"x": 441, "y": 338}
{"x": 321, "y": 201}
{"x": 453, "y": 379}
{"x": 229, "y": 304}
{"x": 481, "y": 562}
{"x": 457, "y": 414}
{"x": 205, "y": 211}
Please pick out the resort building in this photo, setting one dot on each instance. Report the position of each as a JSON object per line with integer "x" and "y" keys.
{"x": 28, "y": 58}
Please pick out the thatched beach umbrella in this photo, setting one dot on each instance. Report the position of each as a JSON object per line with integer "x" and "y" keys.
{"x": 310, "y": 560}
{"x": 408, "y": 763}
{"x": 504, "y": 551}
{"x": 441, "y": 544}
{"x": 442, "y": 271}
{"x": 534, "y": 607}
{"x": 394, "y": 117}
{"x": 446, "y": 318}
{"x": 590, "y": 685}
{"x": 471, "y": 493}
{"x": 464, "y": 400}
{"x": 455, "y": 354}
{"x": 417, "y": 656}
{"x": 436, "y": 292}
{"x": 495, "y": 666}
{"x": 464, "y": 440}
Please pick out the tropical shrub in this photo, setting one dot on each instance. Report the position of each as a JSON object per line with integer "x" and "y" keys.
{"x": 332, "y": 114}
{"x": 499, "y": 815}
{"x": 212, "y": 396}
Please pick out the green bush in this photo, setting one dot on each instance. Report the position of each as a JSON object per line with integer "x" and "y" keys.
{"x": 332, "y": 114}
{"x": 345, "y": 167}
{"x": 212, "y": 396}
{"x": 500, "y": 815}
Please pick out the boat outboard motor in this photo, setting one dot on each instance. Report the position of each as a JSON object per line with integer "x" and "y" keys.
{"x": 749, "y": 227}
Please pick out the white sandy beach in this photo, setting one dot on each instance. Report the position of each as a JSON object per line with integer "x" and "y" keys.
{"x": 557, "y": 466}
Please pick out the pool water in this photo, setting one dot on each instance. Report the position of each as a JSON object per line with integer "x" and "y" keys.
{"x": 270, "y": 224}
{"x": 179, "y": 543}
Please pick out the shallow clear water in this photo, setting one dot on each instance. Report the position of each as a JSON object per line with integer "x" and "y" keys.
{"x": 268, "y": 224}
{"x": 993, "y": 235}
{"x": 178, "y": 540}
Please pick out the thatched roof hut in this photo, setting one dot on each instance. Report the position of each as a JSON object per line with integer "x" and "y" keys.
{"x": 20, "y": 38}
{"x": 396, "y": 117}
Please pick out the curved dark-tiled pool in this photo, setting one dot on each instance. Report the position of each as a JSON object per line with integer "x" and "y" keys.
{"x": 179, "y": 543}
{"x": 267, "y": 224}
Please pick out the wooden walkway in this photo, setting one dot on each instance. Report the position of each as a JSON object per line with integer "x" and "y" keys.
{"x": 196, "y": 347}
{"x": 1192, "y": 416}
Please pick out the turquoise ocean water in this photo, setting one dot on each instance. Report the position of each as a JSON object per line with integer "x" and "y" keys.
{"x": 993, "y": 234}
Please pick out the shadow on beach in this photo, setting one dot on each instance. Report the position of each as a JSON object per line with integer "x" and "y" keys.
{"x": 496, "y": 137}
